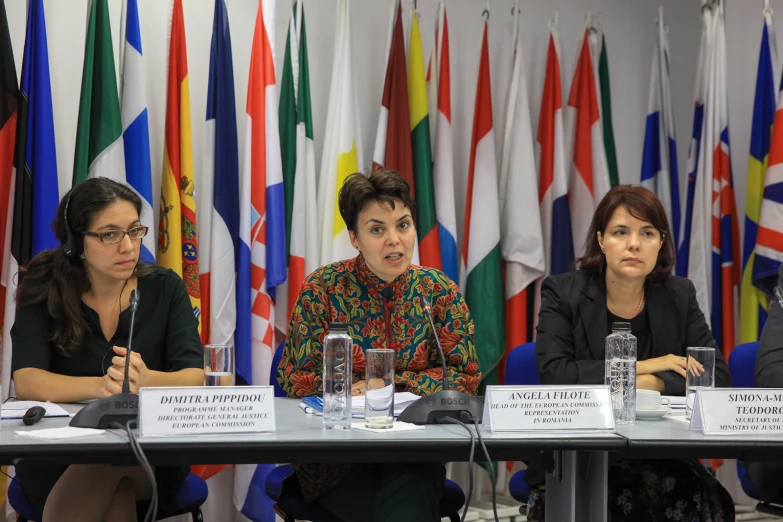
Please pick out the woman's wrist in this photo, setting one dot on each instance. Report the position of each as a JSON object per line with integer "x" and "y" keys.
{"x": 641, "y": 368}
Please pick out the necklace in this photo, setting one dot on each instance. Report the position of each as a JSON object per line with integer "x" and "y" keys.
{"x": 638, "y": 307}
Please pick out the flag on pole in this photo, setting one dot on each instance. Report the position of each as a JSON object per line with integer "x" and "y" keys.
{"x": 606, "y": 113}
{"x": 714, "y": 250}
{"x": 480, "y": 270}
{"x": 262, "y": 257}
{"x": 589, "y": 176}
{"x": 342, "y": 153}
{"x": 769, "y": 240}
{"x": 694, "y": 148}
{"x": 443, "y": 168}
{"x": 135, "y": 125}
{"x": 177, "y": 237}
{"x": 659, "y": 161}
{"x": 753, "y": 303}
{"x": 298, "y": 159}
{"x": 520, "y": 222}
{"x": 219, "y": 224}
{"x": 393, "y": 138}
{"x": 33, "y": 206}
{"x": 553, "y": 180}
{"x": 99, "y": 145}
{"x": 426, "y": 220}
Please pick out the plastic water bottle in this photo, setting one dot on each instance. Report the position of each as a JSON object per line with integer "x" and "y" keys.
{"x": 620, "y": 373}
{"x": 338, "y": 350}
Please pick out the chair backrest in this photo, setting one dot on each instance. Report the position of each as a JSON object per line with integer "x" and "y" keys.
{"x": 742, "y": 362}
{"x": 273, "y": 371}
{"x": 521, "y": 365}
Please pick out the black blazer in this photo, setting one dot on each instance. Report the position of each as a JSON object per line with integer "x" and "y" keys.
{"x": 571, "y": 332}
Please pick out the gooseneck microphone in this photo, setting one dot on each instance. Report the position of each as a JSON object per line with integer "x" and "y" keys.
{"x": 438, "y": 407}
{"x": 134, "y": 305}
{"x": 119, "y": 409}
{"x": 428, "y": 311}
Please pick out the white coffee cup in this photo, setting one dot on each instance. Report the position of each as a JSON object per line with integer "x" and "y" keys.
{"x": 650, "y": 400}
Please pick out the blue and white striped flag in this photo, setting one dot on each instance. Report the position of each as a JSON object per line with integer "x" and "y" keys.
{"x": 659, "y": 162}
{"x": 135, "y": 126}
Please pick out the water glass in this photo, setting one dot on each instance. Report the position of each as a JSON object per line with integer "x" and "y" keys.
{"x": 218, "y": 365}
{"x": 700, "y": 374}
{"x": 379, "y": 386}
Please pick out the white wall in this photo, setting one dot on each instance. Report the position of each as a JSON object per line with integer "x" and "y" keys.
{"x": 628, "y": 25}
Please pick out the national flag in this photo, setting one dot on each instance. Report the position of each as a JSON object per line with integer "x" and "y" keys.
{"x": 443, "y": 168}
{"x": 177, "y": 237}
{"x": 659, "y": 160}
{"x": 753, "y": 303}
{"x": 9, "y": 112}
{"x": 298, "y": 159}
{"x": 135, "y": 125}
{"x": 520, "y": 222}
{"x": 553, "y": 180}
{"x": 262, "y": 255}
{"x": 700, "y": 95}
{"x": 427, "y": 224}
{"x": 480, "y": 269}
{"x": 589, "y": 176}
{"x": 99, "y": 144}
{"x": 342, "y": 153}
{"x": 714, "y": 267}
{"x": 219, "y": 224}
{"x": 769, "y": 240}
{"x": 606, "y": 113}
{"x": 33, "y": 205}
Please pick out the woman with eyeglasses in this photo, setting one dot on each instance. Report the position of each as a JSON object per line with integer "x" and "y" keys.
{"x": 72, "y": 325}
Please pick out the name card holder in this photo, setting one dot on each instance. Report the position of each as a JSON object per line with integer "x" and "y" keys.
{"x": 738, "y": 411}
{"x": 185, "y": 410}
{"x": 548, "y": 408}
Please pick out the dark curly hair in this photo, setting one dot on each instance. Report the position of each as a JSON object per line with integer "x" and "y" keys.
{"x": 384, "y": 186}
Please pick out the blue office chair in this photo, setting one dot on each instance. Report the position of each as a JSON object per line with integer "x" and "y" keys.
{"x": 191, "y": 495}
{"x": 292, "y": 507}
{"x": 521, "y": 369}
{"x": 742, "y": 363}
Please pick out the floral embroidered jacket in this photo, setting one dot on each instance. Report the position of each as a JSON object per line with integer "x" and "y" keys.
{"x": 378, "y": 315}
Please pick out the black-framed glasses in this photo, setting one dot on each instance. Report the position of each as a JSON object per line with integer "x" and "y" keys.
{"x": 115, "y": 236}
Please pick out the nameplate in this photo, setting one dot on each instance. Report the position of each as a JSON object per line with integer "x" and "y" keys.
{"x": 548, "y": 408}
{"x": 199, "y": 410}
{"x": 738, "y": 411}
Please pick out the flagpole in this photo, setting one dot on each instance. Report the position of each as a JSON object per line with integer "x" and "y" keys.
{"x": 123, "y": 30}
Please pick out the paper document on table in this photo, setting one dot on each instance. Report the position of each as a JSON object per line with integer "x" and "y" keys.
{"x": 401, "y": 401}
{"x": 17, "y": 409}
{"x": 68, "y": 432}
{"x": 676, "y": 403}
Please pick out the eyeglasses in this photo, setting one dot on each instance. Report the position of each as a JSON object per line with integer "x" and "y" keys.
{"x": 115, "y": 236}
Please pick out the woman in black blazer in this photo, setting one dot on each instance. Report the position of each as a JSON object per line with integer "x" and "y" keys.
{"x": 625, "y": 275}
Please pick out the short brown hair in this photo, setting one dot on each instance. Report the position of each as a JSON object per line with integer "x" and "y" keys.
{"x": 642, "y": 204}
{"x": 384, "y": 186}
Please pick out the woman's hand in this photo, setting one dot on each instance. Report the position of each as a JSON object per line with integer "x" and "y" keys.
{"x": 137, "y": 373}
{"x": 669, "y": 362}
{"x": 358, "y": 388}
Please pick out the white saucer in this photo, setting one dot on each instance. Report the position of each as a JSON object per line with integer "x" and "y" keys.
{"x": 652, "y": 414}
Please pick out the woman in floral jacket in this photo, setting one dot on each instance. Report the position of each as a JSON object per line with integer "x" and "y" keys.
{"x": 378, "y": 295}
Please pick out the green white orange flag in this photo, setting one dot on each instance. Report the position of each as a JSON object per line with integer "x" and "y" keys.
{"x": 480, "y": 270}
{"x": 342, "y": 154}
{"x": 99, "y": 147}
{"x": 177, "y": 238}
{"x": 427, "y": 224}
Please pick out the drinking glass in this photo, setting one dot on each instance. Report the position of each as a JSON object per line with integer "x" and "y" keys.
{"x": 379, "y": 386}
{"x": 700, "y": 374}
{"x": 218, "y": 365}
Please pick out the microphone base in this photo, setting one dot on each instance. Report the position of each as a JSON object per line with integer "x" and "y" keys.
{"x": 120, "y": 408}
{"x": 446, "y": 403}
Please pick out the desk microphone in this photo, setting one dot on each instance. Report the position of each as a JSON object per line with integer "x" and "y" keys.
{"x": 117, "y": 410}
{"x": 432, "y": 409}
